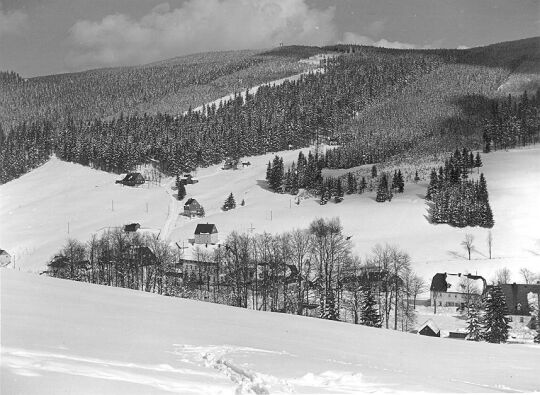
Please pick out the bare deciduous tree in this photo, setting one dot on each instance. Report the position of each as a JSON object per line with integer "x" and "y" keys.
{"x": 467, "y": 243}
{"x": 490, "y": 242}
{"x": 528, "y": 276}
{"x": 502, "y": 276}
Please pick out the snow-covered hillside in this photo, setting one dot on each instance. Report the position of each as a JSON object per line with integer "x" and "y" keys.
{"x": 38, "y": 209}
{"x": 513, "y": 181}
{"x": 62, "y": 192}
{"x": 61, "y": 336}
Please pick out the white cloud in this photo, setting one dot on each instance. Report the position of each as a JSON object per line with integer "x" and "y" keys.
{"x": 198, "y": 26}
{"x": 11, "y": 22}
{"x": 353, "y": 38}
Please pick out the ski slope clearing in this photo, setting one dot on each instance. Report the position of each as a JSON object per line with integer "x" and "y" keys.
{"x": 37, "y": 209}
{"x": 60, "y": 336}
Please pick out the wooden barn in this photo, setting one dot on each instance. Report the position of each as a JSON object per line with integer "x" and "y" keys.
{"x": 132, "y": 179}
{"x": 429, "y": 328}
{"x": 206, "y": 234}
{"x": 192, "y": 208}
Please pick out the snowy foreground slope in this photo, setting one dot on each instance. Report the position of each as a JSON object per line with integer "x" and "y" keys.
{"x": 60, "y": 336}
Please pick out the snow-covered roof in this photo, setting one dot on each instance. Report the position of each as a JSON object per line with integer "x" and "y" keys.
{"x": 460, "y": 283}
{"x": 429, "y": 323}
{"x": 199, "y": 252}
{"x": 3, "y": 252}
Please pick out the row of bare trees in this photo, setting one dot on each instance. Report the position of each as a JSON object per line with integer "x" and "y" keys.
{"x": 306, "y": 272}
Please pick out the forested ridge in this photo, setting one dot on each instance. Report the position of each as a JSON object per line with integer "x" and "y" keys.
{"x": 377, "y": 103}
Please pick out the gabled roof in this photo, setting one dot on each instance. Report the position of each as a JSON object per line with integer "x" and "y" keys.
{"x": 189, "y": 201}
{"x": 132, "y": 176}
{"x": 2, "y": 252}
{"x": 449, "y": 282}
{"x": 438, "y": 283}
{"x": 431, "y": 325}
{"x": 205, "y": 229}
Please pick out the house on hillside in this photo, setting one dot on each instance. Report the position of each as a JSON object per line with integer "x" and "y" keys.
{"x": 188, "y": 179}
{"x": 192, "y": 208}
{"x": 456, "y": 290}
{"x": 429, "y": 328}
{"x": 230, "y": 163}
{"x": 206, "y": 234}
{"x": 131, "y": 227}
{"x": 132, "y": 179}
{"x": 5, "y": 258}
{"x": 518, "y": 297}
{"x": 246, "y": 163}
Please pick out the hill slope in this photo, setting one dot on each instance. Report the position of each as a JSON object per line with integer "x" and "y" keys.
{"x": 67, "y": 192}
{"x": 105, "y": 340}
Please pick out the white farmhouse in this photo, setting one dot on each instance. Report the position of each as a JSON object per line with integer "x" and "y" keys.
{"x": 456, "y": 290}
{"x": 206, "y": 234}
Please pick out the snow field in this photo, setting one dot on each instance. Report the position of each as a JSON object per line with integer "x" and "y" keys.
{"x": 61, "y": 336}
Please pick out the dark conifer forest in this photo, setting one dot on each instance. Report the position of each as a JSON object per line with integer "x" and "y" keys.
{"x": 362, "y": 101}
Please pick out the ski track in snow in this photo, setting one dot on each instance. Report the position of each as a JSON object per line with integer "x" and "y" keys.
{"x": 248, "y": 381}
{"x": 31, "y": 363}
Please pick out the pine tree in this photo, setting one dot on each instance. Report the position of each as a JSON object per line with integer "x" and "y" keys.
{"x": 362, "y": 186}
{"x": 495, "y": 329}
{"x": 181, "y": 189}
{"x": 400, "y": 182}
{"x": 374, "y": 171}
{"x": 416, "y": 177}
{"x": 383, "y": 193}
{"x": 478, "y": 160}
{"x": 338, "y": 198}
{"x": 433, "y": 183}
{"x": 324, "y": 195}
{"x": 330, "y": 311}
{"x": 351, "y": 183}
{"x": 229, "y": 204}
{"x": 474, "y": 327}
{"x": 369, "y": 315}
{"x": 243, "y": 203}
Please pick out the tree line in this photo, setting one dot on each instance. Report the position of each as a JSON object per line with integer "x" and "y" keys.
{"x": 512, "y": 122}
{"x": 306, "y": 272}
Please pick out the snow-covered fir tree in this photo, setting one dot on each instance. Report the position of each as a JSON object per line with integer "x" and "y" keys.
{"x": 369, "y": 315}
{"x": 383, "y": 192}
{"x": 229, "y": 204}
{"x": 474, "y": 324}
{"x": 495, "y": 328}
{"x": 329, "y": 309}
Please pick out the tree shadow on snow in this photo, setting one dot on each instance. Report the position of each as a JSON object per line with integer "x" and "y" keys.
{"x": 457, "y": 254}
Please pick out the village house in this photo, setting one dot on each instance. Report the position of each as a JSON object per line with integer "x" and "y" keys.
{"x": 131, "y": 227}
{"x": 429, "y": 328}
{"x": 5, "y": 258}
{"x": 206, "y": 234}
{"x": 188, "y": 179}
{"x": 192, "y": 208}
{"x": 132, "y": 179}
{"x": 519, "y": 296}
{"x": 456, "y": 290}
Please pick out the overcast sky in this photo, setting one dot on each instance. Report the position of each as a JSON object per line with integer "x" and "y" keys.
{"x": 40, "y": 37}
